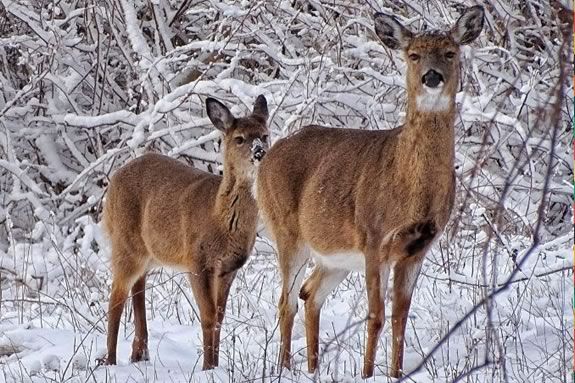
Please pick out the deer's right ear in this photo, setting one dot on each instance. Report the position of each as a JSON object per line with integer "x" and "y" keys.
{"x": 390, "y": 31}
{"x": 219, "y": 114}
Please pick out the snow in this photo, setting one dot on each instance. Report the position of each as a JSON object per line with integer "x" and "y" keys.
{"x": 70, "y": 335}
{"x": 83, "y": 90}
{"x": 94, "y": 121}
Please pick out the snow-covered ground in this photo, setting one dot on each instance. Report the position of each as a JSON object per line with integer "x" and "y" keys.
{"x": 82, "y": 90}
{"x": 58, "y": 332}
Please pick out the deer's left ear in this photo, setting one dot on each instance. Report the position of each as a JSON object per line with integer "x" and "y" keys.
{"x": 261, "y": 107}
{"x": 468, "y": 26}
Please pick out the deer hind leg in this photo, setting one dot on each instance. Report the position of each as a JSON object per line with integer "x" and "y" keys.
{"x": 292, "y": 262}
{"x": 223, "y": 290}
{"x": 204, "y": 292}
{"x": 314, "y": 292}
{"x": 125, "y": 272}
{"x": 376, "y": 278}
{"x": 118, "y": 297}
{"x": 140, "y": 343}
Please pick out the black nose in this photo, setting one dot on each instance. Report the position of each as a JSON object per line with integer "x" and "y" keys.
{"x": 432, "y": 79}
{"x": 259, "y": 153}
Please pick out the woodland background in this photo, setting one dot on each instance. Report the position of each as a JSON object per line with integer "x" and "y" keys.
{"x": 85, "y": 85}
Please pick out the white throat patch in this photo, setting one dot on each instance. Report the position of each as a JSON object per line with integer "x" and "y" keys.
{"x": 432, "y": 100}
{"x": 254, "y": 177}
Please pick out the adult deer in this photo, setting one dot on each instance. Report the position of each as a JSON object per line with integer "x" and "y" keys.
{"x": 160, "y": 211}
{"x": 368, "y": 200}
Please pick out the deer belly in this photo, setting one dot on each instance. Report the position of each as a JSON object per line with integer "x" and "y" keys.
{"x": 350, "y": 260}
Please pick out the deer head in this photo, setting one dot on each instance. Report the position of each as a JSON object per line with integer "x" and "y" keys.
{"x": 245, "y": 139}
{"x": 432, "y": 57}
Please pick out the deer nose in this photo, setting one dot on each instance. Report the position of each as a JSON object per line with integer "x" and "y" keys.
{"x": 258, "y": 150}
{"x": 432, "y": 78}
{"x": 259, "y": 153}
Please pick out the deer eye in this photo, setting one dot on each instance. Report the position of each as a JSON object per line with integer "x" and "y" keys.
{"x": 239, "y": 140}
{"x": 265, "y": 138}
{"x": 450, "y": 55}
{"x": 414, "y": 57}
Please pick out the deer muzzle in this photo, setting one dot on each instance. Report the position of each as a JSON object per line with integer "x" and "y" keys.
{"x": 258, "y": 150}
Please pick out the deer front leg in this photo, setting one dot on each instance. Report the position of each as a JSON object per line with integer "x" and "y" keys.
{"x": 406, "y": 272}
{"x": 204, "y": 293}
{"x": 224, "y": 284}
{"x": 376, "y": 277}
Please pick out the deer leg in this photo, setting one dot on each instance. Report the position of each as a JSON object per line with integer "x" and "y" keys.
{"x": 140, "y": 343}
{"x": 314, "y": 292}
{"x": 406, "y": 272}
{"x": 124, "y": 272}
{"x": 376, "y": 278}
{"x": 204, "y": 293}
{"x": 118, "y": 298}
{"x": 292, "y": 263}
{"x": 224, "y": 285}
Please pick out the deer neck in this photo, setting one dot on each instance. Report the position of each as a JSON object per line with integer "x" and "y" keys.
{"x": 428, "y": 136}
{"x": 235, "y": 205}
{"x": 423, "y": 164}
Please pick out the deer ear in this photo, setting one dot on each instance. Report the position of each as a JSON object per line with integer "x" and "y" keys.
{"x": 468, "y": 26}
{"x": 261, "y": 107}
{"x": 390, "y": 31}
{"x": 219, "y": 114}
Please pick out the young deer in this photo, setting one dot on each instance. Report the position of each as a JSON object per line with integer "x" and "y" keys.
{"x": 368, "y": 200}
{"x": 160, "y": 211}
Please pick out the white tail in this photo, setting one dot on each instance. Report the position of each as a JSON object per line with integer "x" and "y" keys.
{"x": 373, "y": 200}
